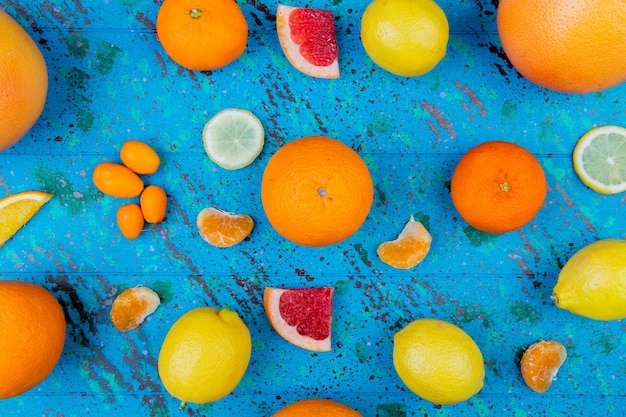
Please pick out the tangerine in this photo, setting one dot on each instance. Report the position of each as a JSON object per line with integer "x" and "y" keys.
{"x": 131, "y": 307}
{"x": 202, "y": 34}
{"x": 572, "y": 46}
{"x": 541, "y": 362}
{"x": 32, "y": 336}
{"x": 23, "y": 82}
{"x": 316, "y": 191}
{"x": 223, "y": 229}
{"x": 317, "y": 407}
{"x": 498, "y": 187}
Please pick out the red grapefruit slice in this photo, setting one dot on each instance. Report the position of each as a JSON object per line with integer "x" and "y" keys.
{"x": 301, "y": 316}
{"x": 308, "y": 39}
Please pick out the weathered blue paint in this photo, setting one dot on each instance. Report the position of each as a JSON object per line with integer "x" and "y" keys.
{"x": 111, "y": 81}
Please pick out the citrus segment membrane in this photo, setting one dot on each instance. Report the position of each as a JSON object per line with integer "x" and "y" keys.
{"x": 17, "y": 209}
{"x": 223, "y": 229}
{"x": 409, "y": 249}
{"x": 131, "y": 307}
{"x": 307, "y": 37}
{"x": 600, "y": 159}
{"x": 233, "y": 138}
{"x": 541, "y": 363}
{"x": 301, "y": 316}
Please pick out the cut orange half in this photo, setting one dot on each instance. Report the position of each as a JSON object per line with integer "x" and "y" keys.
{"x": 409, "y": 249}
{"x": 132, "y": 306}
{"x": 17, "y": 209}
{"x": 308, "y": 39}
{"x": 302, "y": 316}
{"x": 223, "y": 229}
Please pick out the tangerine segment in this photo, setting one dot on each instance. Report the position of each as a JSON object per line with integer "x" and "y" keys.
{"x": 541, "y": 362}
{"x": 317, "y": 407}
{"x": 307, "y": 37}
{"x": 302, "y": 316}
{"x": 132, "y": 306}
{"x": 17, "y": 209}
{"x": 409, "y": 249}
{"x": 223, "y": 229}
{"x": 498, "y": 187}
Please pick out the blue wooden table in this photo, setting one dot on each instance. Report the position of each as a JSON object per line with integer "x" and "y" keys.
{"x": 110, "y": 81}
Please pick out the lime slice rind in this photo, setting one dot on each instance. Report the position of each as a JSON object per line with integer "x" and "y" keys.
{"x": 233, "y": 138}
{"x": 600, "y": 159}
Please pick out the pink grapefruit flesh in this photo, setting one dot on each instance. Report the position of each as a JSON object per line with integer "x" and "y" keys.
{"x": 308, "y": 39}
{"x": 302, "y": 316}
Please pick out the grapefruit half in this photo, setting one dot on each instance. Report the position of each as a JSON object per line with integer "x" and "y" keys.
{"x": 302, "y": 316}
{"x": 308, "y": 39}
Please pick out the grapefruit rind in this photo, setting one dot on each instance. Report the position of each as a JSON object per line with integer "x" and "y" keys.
{"x": 271, "y": 301}
{"x": 292, "y": 49}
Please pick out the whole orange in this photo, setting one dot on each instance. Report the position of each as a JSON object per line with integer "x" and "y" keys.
{"x": 572, "y": 46}
{"x": 32, "y": 335}
{"x": 317, "y": 407}
{"x": 23, "y": 82}
{"x": 498, "y": 187}
{"x": 202, "y": 34}
{"x": 316, "y": 191}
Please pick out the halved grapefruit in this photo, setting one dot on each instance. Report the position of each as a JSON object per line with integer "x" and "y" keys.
{"x": 302, "y": 316}
{"x": 308, "y": 39}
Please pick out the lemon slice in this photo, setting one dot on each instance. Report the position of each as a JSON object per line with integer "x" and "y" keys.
{"x": 233, "y": 138}
{"x": 17, "y": 209}
{"x": 600, "y": 159}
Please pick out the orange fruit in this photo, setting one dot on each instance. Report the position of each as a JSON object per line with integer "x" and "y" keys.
{"x": 571, "y": 46}
{"x": 153, "y": 202}
{"x": 202, "y": 34}
{"x": 302, "y": 316}
{"x": 17, "y": 209}
{"x": 223, "y": 229}
{"x": 139, "y": 157}
{"x": 307, "y": 37}
{"x": 409, "y": 249}
{"x": 117, "y": 180}
{"x": 317, "y": 407}
{"x": 130, "y": 220}
{"x": 498, "y": 187}
{"x": 32, "y": 336}
{"x": 541, "y": 362}
{"x": 23, "y": 82}
{"x": 316, "y": 191}
{"x": 131, "y": 307}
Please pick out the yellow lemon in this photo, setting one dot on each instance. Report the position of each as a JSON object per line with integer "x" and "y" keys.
{"x": 438, "y": 361}
{"x": 204, "y": 355}
{"x": 405, "y": 37}
{"x": 593, "y": 281}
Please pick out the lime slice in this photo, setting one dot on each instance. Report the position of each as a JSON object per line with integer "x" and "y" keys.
{"x": 600, "y": 159}
{"x": 233, "y": 138}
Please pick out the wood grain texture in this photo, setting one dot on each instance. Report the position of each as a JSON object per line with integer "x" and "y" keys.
{"x": 111, "y": 81}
